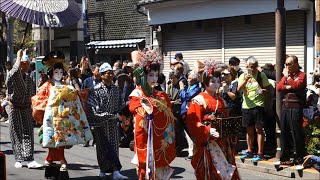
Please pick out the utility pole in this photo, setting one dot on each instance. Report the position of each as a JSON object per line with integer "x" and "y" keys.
{"x": 280, "y": 19}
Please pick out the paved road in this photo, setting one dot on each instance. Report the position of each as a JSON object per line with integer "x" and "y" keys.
{"x": 83, "y": 163}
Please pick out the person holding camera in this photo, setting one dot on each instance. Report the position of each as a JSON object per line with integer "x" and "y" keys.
{"x": 253, "y": 84}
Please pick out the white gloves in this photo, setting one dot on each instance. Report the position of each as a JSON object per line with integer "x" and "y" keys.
{"x": 214, "y": 133}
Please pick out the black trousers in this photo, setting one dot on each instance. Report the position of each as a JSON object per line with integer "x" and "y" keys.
{"x": 291, "y": 128}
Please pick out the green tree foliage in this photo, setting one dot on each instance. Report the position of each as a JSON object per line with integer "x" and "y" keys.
{"x": 20, "y": 29}
{"x": 313, "y": 137}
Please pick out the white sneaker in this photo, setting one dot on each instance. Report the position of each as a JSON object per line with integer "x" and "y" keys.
{"x": 7, "y": 122}
{"x": 117, "y": 175}
{"x": 277, "y": 163}
{"x": 18, "y": 165}
{"x": 34, "y": 165}
{"x": 299, "y": 167}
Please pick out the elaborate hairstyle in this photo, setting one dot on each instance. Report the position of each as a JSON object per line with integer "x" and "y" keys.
{"x": 52, "y": 58}
{"x": 148, "y": 59}
{"x": 212, "y": 69}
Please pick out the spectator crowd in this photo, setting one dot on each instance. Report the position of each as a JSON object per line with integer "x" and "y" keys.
{"x": 211, "y": 91}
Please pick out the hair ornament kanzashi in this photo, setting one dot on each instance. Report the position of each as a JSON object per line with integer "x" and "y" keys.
{"x": 146, "y": 57}
{"x": 52, "y": 58}
{"x": 211, "y": 65}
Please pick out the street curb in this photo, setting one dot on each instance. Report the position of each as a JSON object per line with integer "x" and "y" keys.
{"x": 284, "y": 171}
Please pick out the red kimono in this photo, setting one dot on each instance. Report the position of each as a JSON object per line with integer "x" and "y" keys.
{"x": 163, "y": 132}
{"x": 214, "y": 158}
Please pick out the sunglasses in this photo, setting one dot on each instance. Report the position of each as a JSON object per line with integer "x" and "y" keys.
{"x": 288, "y": 64}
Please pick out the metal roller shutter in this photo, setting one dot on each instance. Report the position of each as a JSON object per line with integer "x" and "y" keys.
{"x": 194, "y": 41}
{"x": 257, "y": 38}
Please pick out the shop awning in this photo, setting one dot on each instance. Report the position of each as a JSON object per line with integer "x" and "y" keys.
{"x": 113, "y": 44}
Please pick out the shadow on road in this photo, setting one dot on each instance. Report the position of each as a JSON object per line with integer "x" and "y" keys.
{"x": 131, "y": 173}
{"x": 88, "y": 178}
{"x": 10, "y": 152}
{"x": 82, "y": 167}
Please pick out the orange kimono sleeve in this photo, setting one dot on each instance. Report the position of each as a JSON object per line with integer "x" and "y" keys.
{"x": 198, "y": 131}
{"x": 39, "y": 102}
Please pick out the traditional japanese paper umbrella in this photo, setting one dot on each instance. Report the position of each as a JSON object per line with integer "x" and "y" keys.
{"x": 48, "y": 13}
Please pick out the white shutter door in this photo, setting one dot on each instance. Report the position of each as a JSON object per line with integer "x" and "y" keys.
{"x": 258, "y": 37}
{"x": 193, "y": 42}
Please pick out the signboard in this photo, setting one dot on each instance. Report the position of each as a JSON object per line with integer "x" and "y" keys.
{"x": 40, "y": 68}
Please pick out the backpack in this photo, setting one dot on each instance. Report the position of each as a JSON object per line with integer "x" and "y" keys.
{"x": 269, "y": 95}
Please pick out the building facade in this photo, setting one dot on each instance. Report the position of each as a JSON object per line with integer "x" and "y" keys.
{"x": 115, "y": 29}
{"x": 221, "y": 29}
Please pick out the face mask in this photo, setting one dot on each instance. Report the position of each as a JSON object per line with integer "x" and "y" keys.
{"x": 57, "y": 74}
{"x": 152, "y": 78}
{"x": 236, "y": 68}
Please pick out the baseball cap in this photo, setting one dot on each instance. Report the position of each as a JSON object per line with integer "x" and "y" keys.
{"x": 25, "y": 58}
{"x": 105, "y": 67}
{"x": 179, "y": 55}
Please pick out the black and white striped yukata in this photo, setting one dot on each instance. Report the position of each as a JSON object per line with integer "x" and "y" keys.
{"x": 102, "y": 102}
{"x": 20, "y": 90}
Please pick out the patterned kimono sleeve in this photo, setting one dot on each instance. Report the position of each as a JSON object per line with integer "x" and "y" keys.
{"x": 198, "y": 131}
{"x": 14, "y": 75}
{"x": 93, "y": 105}
{"x": 120, "y": 101}
{"x": 33, "y": 90}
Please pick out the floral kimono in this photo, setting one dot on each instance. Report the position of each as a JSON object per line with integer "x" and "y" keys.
{"x": 214, "y": 158}
{"x": 162, "y": 132}
{"x": 63, "y": 118}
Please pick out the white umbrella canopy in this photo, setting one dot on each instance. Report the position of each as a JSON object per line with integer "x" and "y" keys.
{"x": 47, "y": 13}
